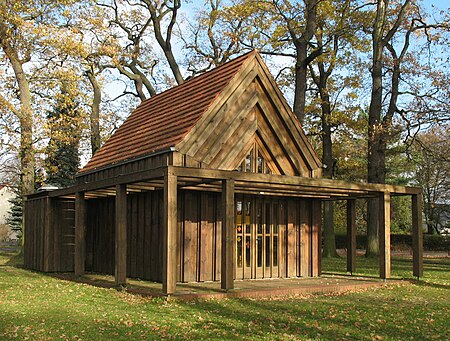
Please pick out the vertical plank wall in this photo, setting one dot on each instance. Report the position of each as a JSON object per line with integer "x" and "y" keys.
{"x": 49, "y": 234}
{"x": 144, "y": 235}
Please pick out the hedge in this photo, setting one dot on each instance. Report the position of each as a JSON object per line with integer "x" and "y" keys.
{"x": 402, "y": 241}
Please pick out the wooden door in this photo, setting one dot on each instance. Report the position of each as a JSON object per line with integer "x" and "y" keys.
{"x": 259, "y": 245}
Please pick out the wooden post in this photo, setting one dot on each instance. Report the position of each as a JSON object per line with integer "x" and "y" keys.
{"x": 80, "y": 226}
{"x": 384, "y": 232}
{"x": 351, "y": 235}
{"x": 121, "y": 236}
{"x": 170, "y": 234}
{"x": 227, "y": 281}
{"x": 417, "y": 235}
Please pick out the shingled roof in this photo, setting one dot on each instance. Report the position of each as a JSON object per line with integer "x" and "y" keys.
{"x": 162, "y": 121}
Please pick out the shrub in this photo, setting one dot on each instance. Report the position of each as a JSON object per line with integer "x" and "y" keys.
{"x": 402, "y": 241}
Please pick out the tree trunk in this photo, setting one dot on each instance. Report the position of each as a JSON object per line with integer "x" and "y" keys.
{"x": 329, "y": 246}
{"x": 301, "y": 65}
{"x": 95, "y": 113}
{"x": 375, "y": 154}
{"x": 25, "y": 116}
{"x": 300, "y": 83}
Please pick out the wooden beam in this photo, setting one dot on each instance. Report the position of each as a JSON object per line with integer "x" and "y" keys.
{"x": 417, "y": 235}
{"x": 170, "y": 234}
{"x": 121, "y": 236}
{"x": 351, "y": 235}
{"x": 384, "y": 231}
{"x": 270, "y": 179}
{"x": 227, "y": 269}
{"x": 80, "y": 227}
{"x": 274, "y": 179}
{"x": 123, "y": 179}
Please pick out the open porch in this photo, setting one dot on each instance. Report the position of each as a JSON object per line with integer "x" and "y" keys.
{"x": 171, "y": 179}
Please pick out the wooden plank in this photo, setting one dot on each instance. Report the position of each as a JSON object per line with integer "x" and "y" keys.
{"x": 69, "y": 219}
{"x": 211, "y": 118}
{"x": 305, "y": 224}
{"x": 121, "y": 179}
{"x": 156, "y": 242}
{"x": 48, "y": 234}
{"x": 190, "y": 237}
{"x": 147, "y": 236}
{"x": 351, "y": 235}
{"x": 218, "y": 240}
{"x": 417, "y": 235}
{"x": 316, "y": 238}
{"x": 275, "y": 145}
{"x": 223, "y": 136}
{"x": 292, "y": 238}
{"x": 58, "y": 221}
{"x": 283, "y": 137}
{"x": 274, "y": 93}
{"x": 237, "y": 142}
{"x": 170, "y": 234}
{"x": 120, "y": 269}
{"x": 140, "y": 236}
{"x": 282, "y": 239}
{"x": 320, "y": 185}
{"x": 180, "y": 242}
{"x": 80, "y": 227}
{"x": 133, "y": 208}
{"x": 385, "y": 234}
{"x": 228, "y": 235}
{"x": 206, "y": 237}
{"x": 39, "y": 235}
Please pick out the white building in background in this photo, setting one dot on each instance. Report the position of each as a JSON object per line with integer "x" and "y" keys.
{"x": 5, "y": 195}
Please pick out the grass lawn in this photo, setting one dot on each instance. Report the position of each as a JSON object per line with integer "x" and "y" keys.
{"x": 38, "y": 307}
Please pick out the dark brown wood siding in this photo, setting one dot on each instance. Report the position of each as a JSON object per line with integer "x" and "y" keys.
{"x": 49, "y": 234}
{"x": 49, "y": 238}
{"x": 144, "y": 235}
{"x": 151, "y": 162}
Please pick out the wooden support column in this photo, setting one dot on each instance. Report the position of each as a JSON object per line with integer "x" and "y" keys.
{"x": 121, "y": 236}
{"x": 351, "y": 235}
{"x": 417, "y": 235}
{"x": 227, "y": 270}
{"x": 170, "y": 234}
{"x": 80, "y": 227}
{"x": 384, "y": 232}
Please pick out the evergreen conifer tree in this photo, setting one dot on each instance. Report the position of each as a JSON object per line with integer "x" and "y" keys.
{"x": 14, "y": 218}
{"x": 62, "y": 159}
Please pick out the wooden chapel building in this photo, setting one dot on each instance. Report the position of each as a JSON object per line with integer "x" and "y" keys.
{"x": 212, "y": 180}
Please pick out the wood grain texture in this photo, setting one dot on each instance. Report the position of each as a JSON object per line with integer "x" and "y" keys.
{"x": 228, "y": 238}
{"x": 80, "y": 228}
{"x": 305, "y": 233}
{"x": 120, "y": 272}
{"x": 316, "y": 238}
{"x": 385, "y": 234}
{"x": 417, "y": 235}
{"x": 170, "y": 234}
